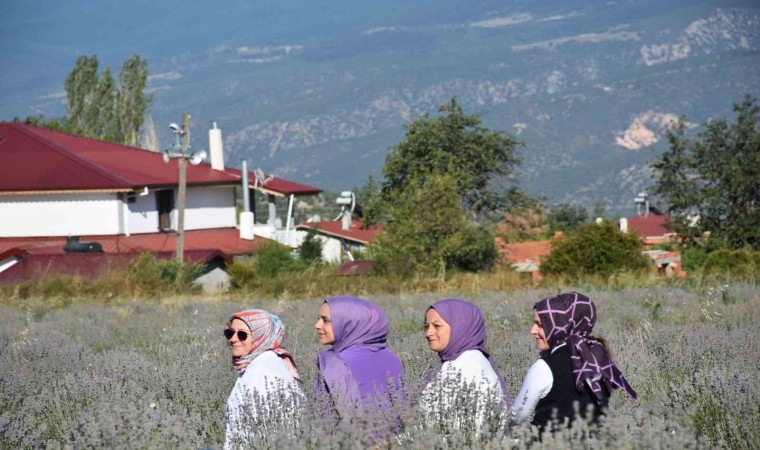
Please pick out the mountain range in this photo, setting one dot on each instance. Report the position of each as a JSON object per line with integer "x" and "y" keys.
{"x": 318, "y": 91}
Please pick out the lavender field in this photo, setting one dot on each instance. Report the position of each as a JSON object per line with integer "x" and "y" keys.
{"x": 141, "y": 375}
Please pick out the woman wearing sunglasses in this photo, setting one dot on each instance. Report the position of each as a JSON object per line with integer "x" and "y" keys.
{"x": 465, "y": 385}
{"x": 359, "y": 367}
{"x": 267, "y": 382}
{"x": 575, "y": 368}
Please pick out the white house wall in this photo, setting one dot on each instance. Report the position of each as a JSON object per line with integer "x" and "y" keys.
{"x": 59, "y": 215}
{"x": 142, "y": 216}
{"x": 332, "y": 250}
{"x": 209, "y": 208}
{"x": 205, "y": 207}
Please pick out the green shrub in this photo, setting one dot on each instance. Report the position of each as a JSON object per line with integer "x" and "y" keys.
{"x": 310, "y": 250}
{"x": 272, "y": 258}
{"x": 693, "y": 258}
{"x": 148, "y": 275}
{"x": 477, "y": 251}
{"x": 595, "y": 249}
{"x": 743, "y": 263}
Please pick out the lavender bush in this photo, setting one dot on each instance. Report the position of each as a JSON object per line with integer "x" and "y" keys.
{"x": 137, "y": 375}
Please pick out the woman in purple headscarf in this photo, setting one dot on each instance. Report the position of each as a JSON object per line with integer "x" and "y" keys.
{"x": 456, "y": 330}
{"x": 575, "y": 368}
{"x": 359, "y": 367}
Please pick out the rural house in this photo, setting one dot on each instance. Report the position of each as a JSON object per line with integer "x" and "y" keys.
{"x": 56, "y": 187}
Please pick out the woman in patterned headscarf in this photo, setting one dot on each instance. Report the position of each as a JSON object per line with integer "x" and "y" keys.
{"x": 359, "y": 368}
{"x": 574, "y": 368}
{"x": 456, "y": 330}
{"x": 267, "y": 376}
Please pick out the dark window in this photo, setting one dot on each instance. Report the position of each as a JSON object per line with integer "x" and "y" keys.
{"x": 165, "y": 205}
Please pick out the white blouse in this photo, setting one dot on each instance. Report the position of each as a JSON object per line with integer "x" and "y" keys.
{"x": 265, "y": 382}
{"x": 441, "y": 399}
{"x": 537, "y": 384}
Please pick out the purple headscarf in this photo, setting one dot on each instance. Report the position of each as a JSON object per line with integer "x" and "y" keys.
{"x": 356, "y": 323}
{"x": 569, "y": 318}
{"x": 468, "y": 332}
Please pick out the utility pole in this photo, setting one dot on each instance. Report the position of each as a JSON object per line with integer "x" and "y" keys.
{"x": 182, "y": 164}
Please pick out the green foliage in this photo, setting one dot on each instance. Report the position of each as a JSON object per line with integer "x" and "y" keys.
{"x": 370, "y": 199}
{"x": 525, "y": 221}
{"x": 737, "y": 264}
{"x": 62, "y": 124}
{"x": 428, "y": 231}
{"x": 476, "y": 158}
{"x": 272, "y": 259}
{"x": 98, "y": 109}
{"x": 268, "y": 261}
{"x": 566, "y": 217}
{"x": 148, "y": 275}
{"x": 310, "y": 250}
{"x": 595, "y": 249}
{"x": 133, "y": 103}
{"x": 692, "y": 258}
{"x": 715, "y": 177}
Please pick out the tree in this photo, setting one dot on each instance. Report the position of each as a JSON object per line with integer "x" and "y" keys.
{"x": 428, "y": 230}
{"x": 712, "y": 183}
{"x": 132, "y": 103}
{"x": 595, "y": 249}
{"x": 477, "y": 159}
{"x": 98, "y": 109}
{"x": 566, "y": 216}
{"x": 80, "y": 86}
{"x": 525, "y": 221}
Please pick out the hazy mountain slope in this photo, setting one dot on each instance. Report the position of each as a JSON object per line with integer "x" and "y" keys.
{"x": 317, "y": 91}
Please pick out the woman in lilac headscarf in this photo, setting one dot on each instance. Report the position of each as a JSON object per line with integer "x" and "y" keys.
{"x": 456, "y": 330}
{"x": 575, "y": 368}
{"x": 359, "y": 367}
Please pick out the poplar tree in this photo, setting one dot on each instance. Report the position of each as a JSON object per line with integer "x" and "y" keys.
{"x": 132, "y": 102}
{"x": 99, "y": 109}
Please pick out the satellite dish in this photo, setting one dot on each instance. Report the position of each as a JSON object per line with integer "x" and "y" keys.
{"x": 261, "y": 178}
{"x": 197, "y": 157}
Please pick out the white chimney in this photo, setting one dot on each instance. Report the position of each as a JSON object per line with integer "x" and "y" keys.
{"x": 215, "y": 148}
{"x": 345, "y": 223}
{"x": 246, "y": 225}
{"x": 623, "y": 224}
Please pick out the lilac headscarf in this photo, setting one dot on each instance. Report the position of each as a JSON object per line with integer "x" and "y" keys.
{"x": 569, "y": 318}
{"x": 468, "y": 332}
{"x": 356, "y": 323}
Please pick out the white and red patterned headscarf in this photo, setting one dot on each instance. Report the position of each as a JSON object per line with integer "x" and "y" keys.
{"x": 569, "y": 318}
{"x": 266, "y": 333}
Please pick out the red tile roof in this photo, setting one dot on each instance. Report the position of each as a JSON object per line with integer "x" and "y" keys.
{"x": 651, "y": 225}
{"x": 518, "y": 252}
{"x": 224, "y": 240}
{"x": 37, "y": 159}
{"x": 355, "y": 233}
{"x": 362, "y": 267}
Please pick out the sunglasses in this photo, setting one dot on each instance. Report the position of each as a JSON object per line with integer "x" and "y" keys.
{"x": 242, "y": 335}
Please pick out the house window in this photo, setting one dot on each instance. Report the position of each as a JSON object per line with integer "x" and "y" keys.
{"x": 131, "y": 197}
{"x": 165, "y": 205}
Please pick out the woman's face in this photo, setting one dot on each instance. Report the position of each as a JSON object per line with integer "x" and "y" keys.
{"x": 537, "y": 330}
{"x": 437, "y": 331}
{"x": 324, "y": 325}
{"x": 240, "y": 348}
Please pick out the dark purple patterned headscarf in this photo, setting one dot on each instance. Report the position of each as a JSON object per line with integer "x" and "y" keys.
{"x": 468, "y": 332}
{"x": 569, "y": 318}
{"x": 355, "y": 322}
